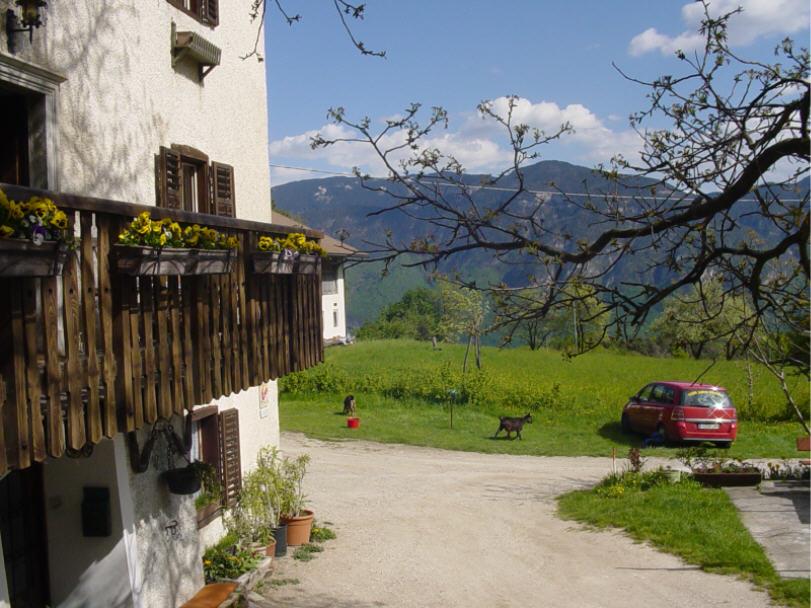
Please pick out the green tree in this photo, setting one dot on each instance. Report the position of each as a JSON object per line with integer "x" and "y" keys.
{"x": 700, "y": 320}
{"x": 463, "y": 314}
{"x": 415, "y": 316}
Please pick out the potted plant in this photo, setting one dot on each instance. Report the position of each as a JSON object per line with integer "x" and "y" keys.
{"x": 256, "y": 516}
{"x": 33, "y": 237}
{"x": 299, "y": 520}
{"x": 163, "y": 247}
{"x": 293, "y": 253}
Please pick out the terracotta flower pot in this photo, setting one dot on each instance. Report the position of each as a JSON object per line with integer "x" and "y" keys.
{"x": 298, "y": 528}
{"x": 270, "y": 550}
{"x": 353, "y": 422}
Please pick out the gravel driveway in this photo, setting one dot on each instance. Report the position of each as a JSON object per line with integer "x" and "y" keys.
{"x": 426, "y": 527}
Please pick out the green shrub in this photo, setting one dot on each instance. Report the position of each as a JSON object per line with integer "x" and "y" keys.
{"x": 227, "y": 560}
{"x": 305, "y": 552}
{"x": 324, "y": 378}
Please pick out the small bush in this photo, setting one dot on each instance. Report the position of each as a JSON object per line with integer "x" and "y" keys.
{"x": 320, "y": 534}
{"x": 305, "y": 552}
{"x": 227, "y": 560}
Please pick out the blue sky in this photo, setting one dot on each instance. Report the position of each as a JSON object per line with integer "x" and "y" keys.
{"x": 556, "y": 56}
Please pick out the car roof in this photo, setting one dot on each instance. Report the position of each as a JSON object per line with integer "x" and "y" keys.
{"x": 690, "y": 385}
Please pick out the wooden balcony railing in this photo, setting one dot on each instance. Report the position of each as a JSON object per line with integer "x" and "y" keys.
{"x": 92, "y": 352}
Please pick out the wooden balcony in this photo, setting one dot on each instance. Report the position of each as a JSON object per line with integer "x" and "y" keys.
{"x": 93, "y": 352}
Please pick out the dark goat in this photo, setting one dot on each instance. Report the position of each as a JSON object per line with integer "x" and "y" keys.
{"x": 349, "y": 405}
{"x": 512, "y": 424}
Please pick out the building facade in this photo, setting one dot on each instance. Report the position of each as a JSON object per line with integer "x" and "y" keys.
{"x": 137, "y": 103}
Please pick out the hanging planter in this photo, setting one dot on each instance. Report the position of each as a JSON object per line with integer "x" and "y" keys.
{"x": 308, "y": 263}
{"x": 22, "y": 258}
{"x": 288, "y": 255}
{"x": 162, "y": 247}
{"x": 273, "y": 262}
{"x": 184, "y": 480}
{"x": 33, "y": 237}
{"x": 145, "y": 261}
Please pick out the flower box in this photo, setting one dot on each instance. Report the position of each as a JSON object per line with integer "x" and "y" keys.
{"x": 719, "y": 479}
{"x": 22, "y": 258}
{"x": 137, "y": 260}
{"x": 273, "y": 262}
{"x": 308, "y": 263}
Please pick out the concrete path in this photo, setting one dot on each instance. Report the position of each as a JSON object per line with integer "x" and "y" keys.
{"x": 430, "y": 528}
{"x": 778, "y": 518}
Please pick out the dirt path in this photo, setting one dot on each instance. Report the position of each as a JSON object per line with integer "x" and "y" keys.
{"x": 425, "y": 527}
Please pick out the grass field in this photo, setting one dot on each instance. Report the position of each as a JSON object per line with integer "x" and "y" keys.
{"x": 725, "y": 547}
{"x": 401, "y": 388}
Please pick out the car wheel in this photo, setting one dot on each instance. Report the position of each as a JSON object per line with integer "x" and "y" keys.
{"x": 661, "y": 431}
{"x": 626, "y": 424}
{"x": 724, "y": 445}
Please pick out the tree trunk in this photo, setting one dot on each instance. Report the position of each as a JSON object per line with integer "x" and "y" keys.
{"x": 467, "y": 350}
{"x": 478, "y": 352}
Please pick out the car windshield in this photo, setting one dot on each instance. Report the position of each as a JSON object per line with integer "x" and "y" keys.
{"x": 705, "y": 398}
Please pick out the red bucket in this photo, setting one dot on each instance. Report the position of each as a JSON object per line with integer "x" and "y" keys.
{"x": 353, "y": 423}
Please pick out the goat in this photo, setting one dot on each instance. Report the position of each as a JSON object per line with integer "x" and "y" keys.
{"x": 349, "y": 406}
{"x": 512, "y": 424}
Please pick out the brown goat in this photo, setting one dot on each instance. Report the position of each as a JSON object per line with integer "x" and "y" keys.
{"x": 512, "y": 424}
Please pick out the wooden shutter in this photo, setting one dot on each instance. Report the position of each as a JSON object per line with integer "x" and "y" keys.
{"x": 230, "y": 465}
{"x": 210, "y": 12}
{"x": 222, "y": 186}
{"x": 168, "y": 179}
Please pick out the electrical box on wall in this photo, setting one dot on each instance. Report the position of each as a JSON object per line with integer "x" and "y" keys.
{"x": 96, "y": 513}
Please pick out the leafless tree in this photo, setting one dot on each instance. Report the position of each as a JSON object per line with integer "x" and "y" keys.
{"x": 258, "y": 12}
{"x": 736, "y": 144}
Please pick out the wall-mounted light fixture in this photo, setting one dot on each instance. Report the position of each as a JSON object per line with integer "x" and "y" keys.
{"x": 29, "y": 20}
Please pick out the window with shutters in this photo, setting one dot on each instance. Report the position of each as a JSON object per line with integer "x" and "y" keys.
{"x": 186, "y": 180}
{"x": 215, "y": 441}
{"x": 230, "y": 464}
{"x": 205, "y": 11}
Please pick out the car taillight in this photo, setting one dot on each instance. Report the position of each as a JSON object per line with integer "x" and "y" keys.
{"x": 678, "y": 414}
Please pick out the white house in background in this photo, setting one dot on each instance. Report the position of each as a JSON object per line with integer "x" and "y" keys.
{"x": 112, "y": 105}
{"x": 333, "y": 281}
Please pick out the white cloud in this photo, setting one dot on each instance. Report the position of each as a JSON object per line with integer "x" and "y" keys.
{"x": 479, "y": 144}
{"x": 759, "y": 18}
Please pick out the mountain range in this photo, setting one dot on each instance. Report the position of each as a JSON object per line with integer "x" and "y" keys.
{"x": 338, "y": 204}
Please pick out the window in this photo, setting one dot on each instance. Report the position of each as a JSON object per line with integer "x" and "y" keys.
{"x": 329, "y": 279}
{"x": 205, "y": 11}
{"x": 186, "y": 180}
{"x": 663, "y": 394}
{"x": 645, "y": 393}
{"x": 335, "y": 318}
{"x": 215, "y": 441}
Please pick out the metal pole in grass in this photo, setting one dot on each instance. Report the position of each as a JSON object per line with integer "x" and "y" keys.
{"x": 451, "y": 398}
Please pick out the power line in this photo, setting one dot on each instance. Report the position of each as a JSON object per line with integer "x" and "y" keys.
{"x": 504, "y": 189}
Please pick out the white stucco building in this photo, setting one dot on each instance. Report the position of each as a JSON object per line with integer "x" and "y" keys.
{"x": 101, "y": 104}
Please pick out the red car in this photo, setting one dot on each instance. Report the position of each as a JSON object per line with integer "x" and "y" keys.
{"x": 682, "y": 411}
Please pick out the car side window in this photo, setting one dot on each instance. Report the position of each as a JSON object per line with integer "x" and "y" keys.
{"x": 663, "y": 394}
{"x": 645, "y": 393}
